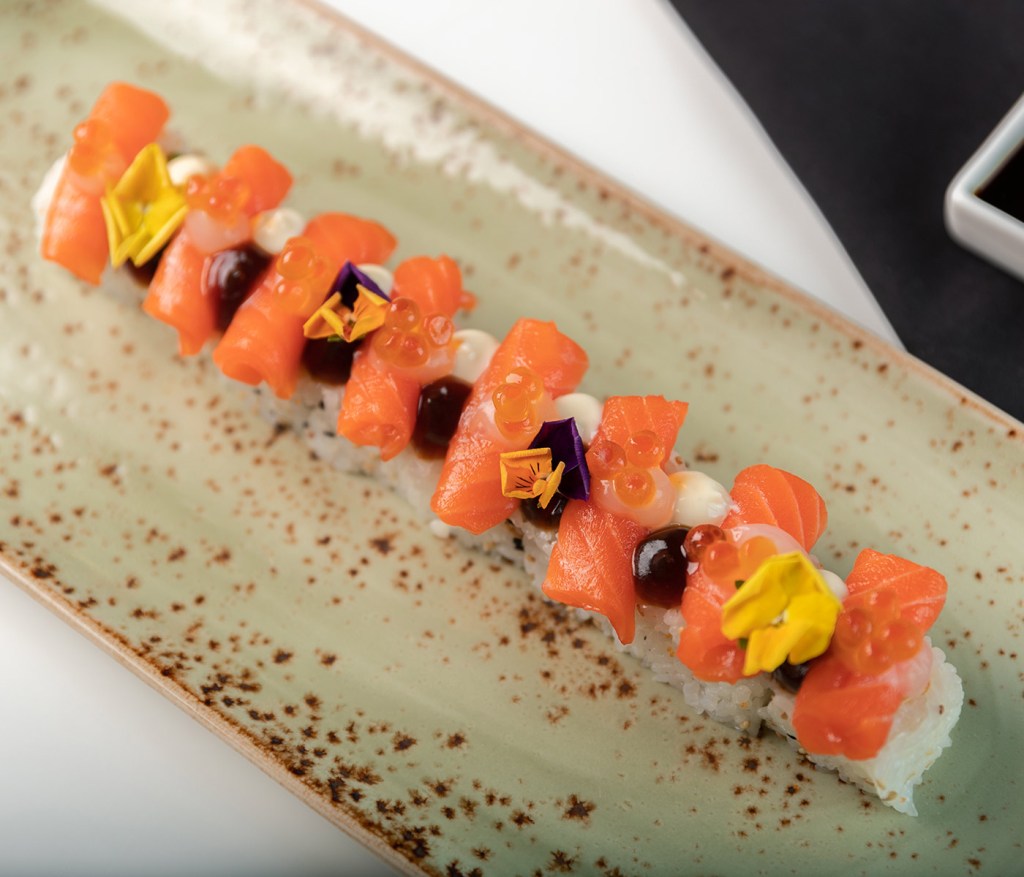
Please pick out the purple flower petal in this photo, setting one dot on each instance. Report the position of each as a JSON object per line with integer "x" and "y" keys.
{"x": 566, "y": 447}
{"x": 349, "y": 277}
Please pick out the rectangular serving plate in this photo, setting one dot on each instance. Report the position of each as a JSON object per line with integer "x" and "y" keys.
{"x": 421, "y": 697}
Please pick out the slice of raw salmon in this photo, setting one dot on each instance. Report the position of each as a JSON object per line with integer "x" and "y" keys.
{"x": 838, "y": 712}
{"x": 591, "y": 566}
{"x": 921, "y": 591}
{"x": 624, "y": 416}
{"x": 708, "y": 652}
{"x": 342, "y": 237}
{"x": 766, "y": 495}
{"x": 268, "y": 181}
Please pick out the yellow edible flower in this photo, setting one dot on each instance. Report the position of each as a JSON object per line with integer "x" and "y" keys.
{"x": 528, "y": 474}
{"x": 784, "y": 610}
{"x": 333, "y": 318}
{"x": 143, "y": 209}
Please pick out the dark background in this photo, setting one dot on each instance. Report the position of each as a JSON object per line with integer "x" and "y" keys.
{"x": 876, "y": 104}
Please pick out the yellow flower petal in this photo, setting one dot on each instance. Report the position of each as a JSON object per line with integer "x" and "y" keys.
{"x": 325, "y": 321}
{"x": 784, "y": 611}
{"x": 143, "y": 210}
{"x": 551, "y": 485}
{"x": 523, "y": 473}
{"x": 368, "y": 314}
{"x": 759, "y": 601}
{"x": 767, "y": 648}
{"x": 332, "y": 318}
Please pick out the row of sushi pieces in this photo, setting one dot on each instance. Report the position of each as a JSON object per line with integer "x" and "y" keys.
{"x": 715, "y": 590}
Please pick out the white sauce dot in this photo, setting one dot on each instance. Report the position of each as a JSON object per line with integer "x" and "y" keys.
{"x": 379, "y": 275}
{"x": 585, "y": 409}
{"x": 699, "y": 499}
{"x": 439, "y": 528}
{"x": 182, "y": 167}
{"x": 42, "y": 198}
{"x": 272, "y": 229}
{"x": 835, "y": 584}
{"x": 474, "y": 353}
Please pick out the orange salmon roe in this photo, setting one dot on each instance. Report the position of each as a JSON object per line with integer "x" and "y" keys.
{"x": 870, "y": 636}
{"x": 408, "y": 339}
{"x": 605, "y": 458}
{"x": 222, "y": 198}
{"x": 302, "y": 275}
{"x": 628, "y": 468}
{"x": 516, "y": 408}
{"x": 727, "y": 563}
{"x": 699, "y": 538}
{"x": 94, "y": 159}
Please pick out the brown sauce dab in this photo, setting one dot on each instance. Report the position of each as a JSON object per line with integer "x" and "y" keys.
{"x": 546, "y": 519}
{"x": 437, "y": 416}
{"x": 329, "y": 362}
{"x": 229, "y": 277}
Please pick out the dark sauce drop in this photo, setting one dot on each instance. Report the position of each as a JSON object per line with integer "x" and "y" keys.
{"x": 437, "y": 417}
{"x": 229, "y": 276}
{"x": 791, "y": 676}
{"x": 659, "y": 567}
{"x": 143, "y": 274}
{"x": 546, "y": 519}
{"x": 329, "y": 362}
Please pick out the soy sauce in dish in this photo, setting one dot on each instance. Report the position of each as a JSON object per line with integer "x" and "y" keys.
{"x": 1005, "y": 188}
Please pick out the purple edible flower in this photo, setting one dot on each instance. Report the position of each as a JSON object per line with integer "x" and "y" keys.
{"x": 566, "y": 447}
{"x": 349, "y": 277}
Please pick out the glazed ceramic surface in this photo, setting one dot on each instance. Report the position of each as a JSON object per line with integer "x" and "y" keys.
{"x": 421, "y": 696}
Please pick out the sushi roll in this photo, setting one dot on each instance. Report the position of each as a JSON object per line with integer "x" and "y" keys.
{"x": 715, "y": 590}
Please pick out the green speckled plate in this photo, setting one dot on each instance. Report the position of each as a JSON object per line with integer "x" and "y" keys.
{"x": 419, "y": 696}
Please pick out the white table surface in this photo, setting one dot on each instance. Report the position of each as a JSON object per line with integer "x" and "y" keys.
{"x": 623, "y": 85}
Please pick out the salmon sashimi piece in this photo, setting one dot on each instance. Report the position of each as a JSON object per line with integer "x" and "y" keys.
{"x": 268, "y": 180}
{"x": 766, "y": 495}
{"x": 341, "y": 238}
{"x": 920, "y": 590}
{"x": 624, "y": 416}
{"x": 838, "y": 711}
{"x": 708, "y": 652}
{"x": 264, "y": 341}
{"x": 468, "y": 492}
{"x": 175, "y": 295}
{"x": 75, "y": 235}
{"x": 380, "y": 404}
{"x": 135, "y": 116}
{"x": 591, "y": 566}
{"x": 178, "y": 294}
{"x": 123, "y": 120}
{"x": 434, "y": 284}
